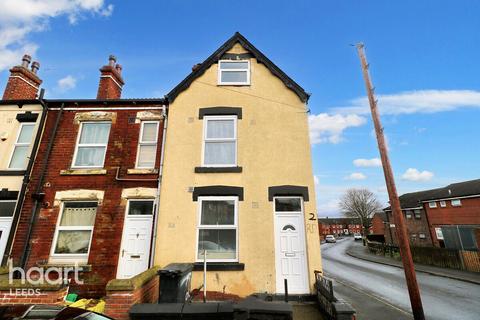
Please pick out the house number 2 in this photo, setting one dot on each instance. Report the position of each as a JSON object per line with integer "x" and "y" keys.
{"x": 312, "y": 216}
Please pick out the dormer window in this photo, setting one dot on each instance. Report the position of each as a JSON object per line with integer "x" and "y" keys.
{"x": 234, "y": 72}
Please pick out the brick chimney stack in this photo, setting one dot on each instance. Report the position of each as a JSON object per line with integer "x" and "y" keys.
{"x": 111, "y": 81}
{"x": 23, "y": 84}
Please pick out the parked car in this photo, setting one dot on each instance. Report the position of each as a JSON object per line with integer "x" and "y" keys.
{"x": 357, "y": 236}
{"x": 14, "y": 312}
{"x": 330, "y": 238}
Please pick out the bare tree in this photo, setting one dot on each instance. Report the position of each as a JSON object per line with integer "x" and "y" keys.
{"x": 360, "y": 204}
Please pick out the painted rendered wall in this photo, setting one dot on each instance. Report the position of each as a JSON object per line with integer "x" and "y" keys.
{"x": 9, "y": 127}
{"x": 273, "y": 149}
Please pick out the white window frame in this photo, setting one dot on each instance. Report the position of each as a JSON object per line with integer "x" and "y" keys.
{"x": 216, "y": 227}
{"x": 147, "y": 143}
{"x": 129, "y": 201}
{"x": 456, "y": 205}
{"x": 432, "y": 204}
{"x": 220, "y": 70}
{"x": 417, "y": 213}
{"x": 443, "y": 203}
{"x": 24, "y": 144}
{"x": 291, "y": 212}
{"x": 205, "y": 140}
{"x": 90, "y": 145}
{"x": 68, "y": 257}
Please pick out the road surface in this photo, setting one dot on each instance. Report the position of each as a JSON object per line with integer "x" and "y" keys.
{"x": 379, "y": 292}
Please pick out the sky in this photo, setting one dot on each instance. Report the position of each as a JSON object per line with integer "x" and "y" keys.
{"x": 423, "y": 55}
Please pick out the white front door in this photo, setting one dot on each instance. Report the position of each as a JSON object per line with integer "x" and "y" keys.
{"x": 290, "y": 253}
{"x": 136, "y": 239}
{"x": 7, "y": 208}
{"x": 5, "y": 225}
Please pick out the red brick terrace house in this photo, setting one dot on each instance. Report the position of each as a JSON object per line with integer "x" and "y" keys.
{"x": 415, "y": 220}
{"x": 94, "y": 188}
{"x": 444, "y": 217}
{"x": 453, "y": 213}
{"x": 338, "y": 226}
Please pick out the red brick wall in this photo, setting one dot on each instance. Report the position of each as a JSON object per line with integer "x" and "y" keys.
{"x": 378, "y": 227}
{"x": 110, "y": 85}
{"x": 17, "y": 296}
{"x": 118, "y": 303}
{"x": 17, "y": 86}
{"x": 466, "y": 214}
{"x": 415, "y": 227}
{"x": 121, "y": 152}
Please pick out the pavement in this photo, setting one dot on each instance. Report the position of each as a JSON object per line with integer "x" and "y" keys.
{"x": 362, "y": 252}
{"x": 378, "y": 291}
{"x": 306, "y": 311}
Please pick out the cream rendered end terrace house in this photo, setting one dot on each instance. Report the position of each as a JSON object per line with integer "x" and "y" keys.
{"x": 238, "y": 178}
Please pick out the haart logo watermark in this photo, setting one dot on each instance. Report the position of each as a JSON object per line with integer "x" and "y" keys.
{"x": 35, "y": 277}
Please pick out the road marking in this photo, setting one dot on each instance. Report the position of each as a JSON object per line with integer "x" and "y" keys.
{"x": 373, "y": 296}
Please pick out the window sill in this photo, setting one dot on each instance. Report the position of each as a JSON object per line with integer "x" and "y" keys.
{"x": 219, "y": 266}
{"x": 218, "y": 169}
{"x": 12, "y": 172}
{"x": 142, "y": 171}
{"x": 85, "y": 267}
{"x": 82, "y": 172}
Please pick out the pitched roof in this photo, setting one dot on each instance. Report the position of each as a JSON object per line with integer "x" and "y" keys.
{"x": 460, "y": 189}
{"x": 218, "y": 54}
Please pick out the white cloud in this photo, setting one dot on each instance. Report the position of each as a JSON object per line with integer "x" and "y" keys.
{"x": 356, "y": 176}
{"x": 329, "y": 128}
{"x": 420, "y": 101}
{"x": 67, "y": 83}
{"x": 413, "y": 174}
{"x": 19, "y": 18}
{"x": 374, "y": 162}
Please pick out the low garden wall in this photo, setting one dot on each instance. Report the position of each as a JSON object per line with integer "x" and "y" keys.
{"x": 122, "y": 294}
{"x": 16, "y": 292}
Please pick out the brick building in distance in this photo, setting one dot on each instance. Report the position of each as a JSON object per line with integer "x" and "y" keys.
{"x": 444, "y": 217}
{"x": 338, "y": 226}
{"x": 93, "y": 194}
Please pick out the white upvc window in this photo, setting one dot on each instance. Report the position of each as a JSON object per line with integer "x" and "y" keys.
{"x": 19, "y": 157}
{"x": 432, "y": 204}
{"x": 147, "y": 145}
{"x": 91, "y": 145}
{"x": 219, "y": 141}
{"x": 217, "y": 229}
{"x": 234, "y": 72}
{"x": 74, "y": 231}
{"x": 443, "y": 204}
{"x": 456, "y": 202}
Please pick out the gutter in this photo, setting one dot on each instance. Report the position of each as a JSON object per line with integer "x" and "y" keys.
{"x": 37, "y": 195}
{"x": 160, "y": 176}
{"x": 26, "y": 179}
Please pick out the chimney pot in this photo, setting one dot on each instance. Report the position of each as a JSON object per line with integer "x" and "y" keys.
{"x": 35, "y": 66}
{"x": 111, "y": 60}
{"x": 119, "y": 68}
{"x": 26, "y": 60}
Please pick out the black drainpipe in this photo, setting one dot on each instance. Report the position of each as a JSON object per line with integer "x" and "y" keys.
{"x": 26, "y": 180}
{"x": 38, "y": 195}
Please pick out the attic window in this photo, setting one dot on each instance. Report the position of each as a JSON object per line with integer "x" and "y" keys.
{"x": 234, "y": 72}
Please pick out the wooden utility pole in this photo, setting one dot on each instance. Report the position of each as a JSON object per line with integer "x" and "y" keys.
{"x": 413, "y": 291}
